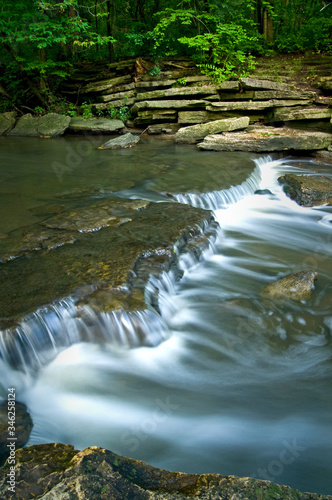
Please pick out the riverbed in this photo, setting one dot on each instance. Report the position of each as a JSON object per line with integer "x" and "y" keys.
{"x": 237, "y": 384}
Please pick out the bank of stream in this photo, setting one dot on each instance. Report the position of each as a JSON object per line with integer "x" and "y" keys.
{"x": 236, "y": 383}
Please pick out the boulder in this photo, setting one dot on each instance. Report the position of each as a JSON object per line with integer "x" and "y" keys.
{"x": 50, "y": 471}
{"x": 7, "y": 121}
{"x": 297, "y": 286}
{"x": 23, "y": 425}
{"x": 285, "y": 114}
{"x": 196, "y": 133}
{"x": 118, "y": 103}
{"x": 155, "y": 116}
{"x": 123, "y": 141}
{"x": 103, "y": 245}
{"x": 308, "y": 190}
{"x": 95, "y": 125}
{"x": 50, "y": 125}
{"x": 267, "y": 139}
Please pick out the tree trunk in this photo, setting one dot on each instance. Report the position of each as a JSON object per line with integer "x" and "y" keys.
{"x": 26, "y": 77}
{"x": 110, "y": 22}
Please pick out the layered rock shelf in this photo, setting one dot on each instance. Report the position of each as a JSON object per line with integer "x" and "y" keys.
{"x": 176, "y": 96}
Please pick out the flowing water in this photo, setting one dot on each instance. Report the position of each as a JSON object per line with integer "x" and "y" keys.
{"x": 234, "y": 383}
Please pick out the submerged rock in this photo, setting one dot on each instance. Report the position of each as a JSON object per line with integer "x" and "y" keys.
{"x": 55, "y": 470}
{"x": 22, "y": 424}
{"x": 112, "y": 245}
{"x": 50, "y": 125}
{"x": 123, "y": 141}
{"x": 308, "y": 190}
{"x": 297, "y": 286}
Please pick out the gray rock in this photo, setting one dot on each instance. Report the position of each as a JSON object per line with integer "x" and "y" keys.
{"x": 297, "y": 286}
{"x": 95, "y": 125}
{"x": 7, "y": 121}
{"x": 267, "y": 139}
{"x": 205, "y": 90}
{"x": 114, "y": 104}
{"x": 308, "y": 190}
{"x": 168, "y": 104}
{"x": 285, "y": 114}
{"x": 196, "y": 133}
{"x": 57, "y": 471}
{"x": 192, "y": 117}
{"x": 50, "y": 125}
{"x": 253, "y": 84}
{"x": 124, "y": 96}
{"x": 123, "y": 141}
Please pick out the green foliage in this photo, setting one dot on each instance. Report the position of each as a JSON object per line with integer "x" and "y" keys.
{"x": 182, "y": 82}
{"x": 121, "y": 113}
{"x": 86, "y": 111}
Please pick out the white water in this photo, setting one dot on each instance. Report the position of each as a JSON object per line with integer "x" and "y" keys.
{"x": 241, "y": 385}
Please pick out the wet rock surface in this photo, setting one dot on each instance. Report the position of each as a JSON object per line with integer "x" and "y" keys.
{"x": 95, "y": 125}
{"x": 308, "y": 190}
{"x": 101, "y": 246}
{"x": 197, "y": 132}
{"x": 55, "y": 470}
{"x": 297, "y": 286}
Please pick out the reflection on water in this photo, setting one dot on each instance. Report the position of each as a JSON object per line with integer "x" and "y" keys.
{"x": 242, "y": 385}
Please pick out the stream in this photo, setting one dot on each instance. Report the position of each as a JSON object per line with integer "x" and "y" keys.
{"x": 235, "y": 383}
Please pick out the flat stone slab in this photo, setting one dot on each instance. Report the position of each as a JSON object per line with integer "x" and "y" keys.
{"x": 105, "y": 245}
{"x": 168, "y": 104}
{"x": 285, "y": 114}
{"x": 7, "y": 121}
{"x": 123, "y": 141}
{"x": 197, "y": 132}
{"x": 263, "y": 139}
{"x": 205, "y": 90}
{"x": 95, "y": 125}
{"x": 255, "y": 84}
{"x": 50, "y": 125}
{"x": 254, "y": 105}
{"x": 122, "y": 96}
{"x": 297, "y": 286}
{"x": 308, "y": 190}
{"x": 57, "y": 470}
{"x": 103, "y": 85}
{"x": 260, "y": 95}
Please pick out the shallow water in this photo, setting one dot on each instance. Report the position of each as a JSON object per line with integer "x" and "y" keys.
{"x": 241, "y": 385}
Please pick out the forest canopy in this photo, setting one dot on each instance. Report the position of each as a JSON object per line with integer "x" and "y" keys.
{"x": 40, "y": 41}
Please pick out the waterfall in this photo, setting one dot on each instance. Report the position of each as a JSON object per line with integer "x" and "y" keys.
{"x": 40, "y": 336}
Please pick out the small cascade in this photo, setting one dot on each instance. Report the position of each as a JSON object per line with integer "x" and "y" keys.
{"x": 42, "y": 335}
{"x": 215, "y": 200}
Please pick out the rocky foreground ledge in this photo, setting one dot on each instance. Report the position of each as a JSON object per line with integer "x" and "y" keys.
{"x": 57, "y": 471}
